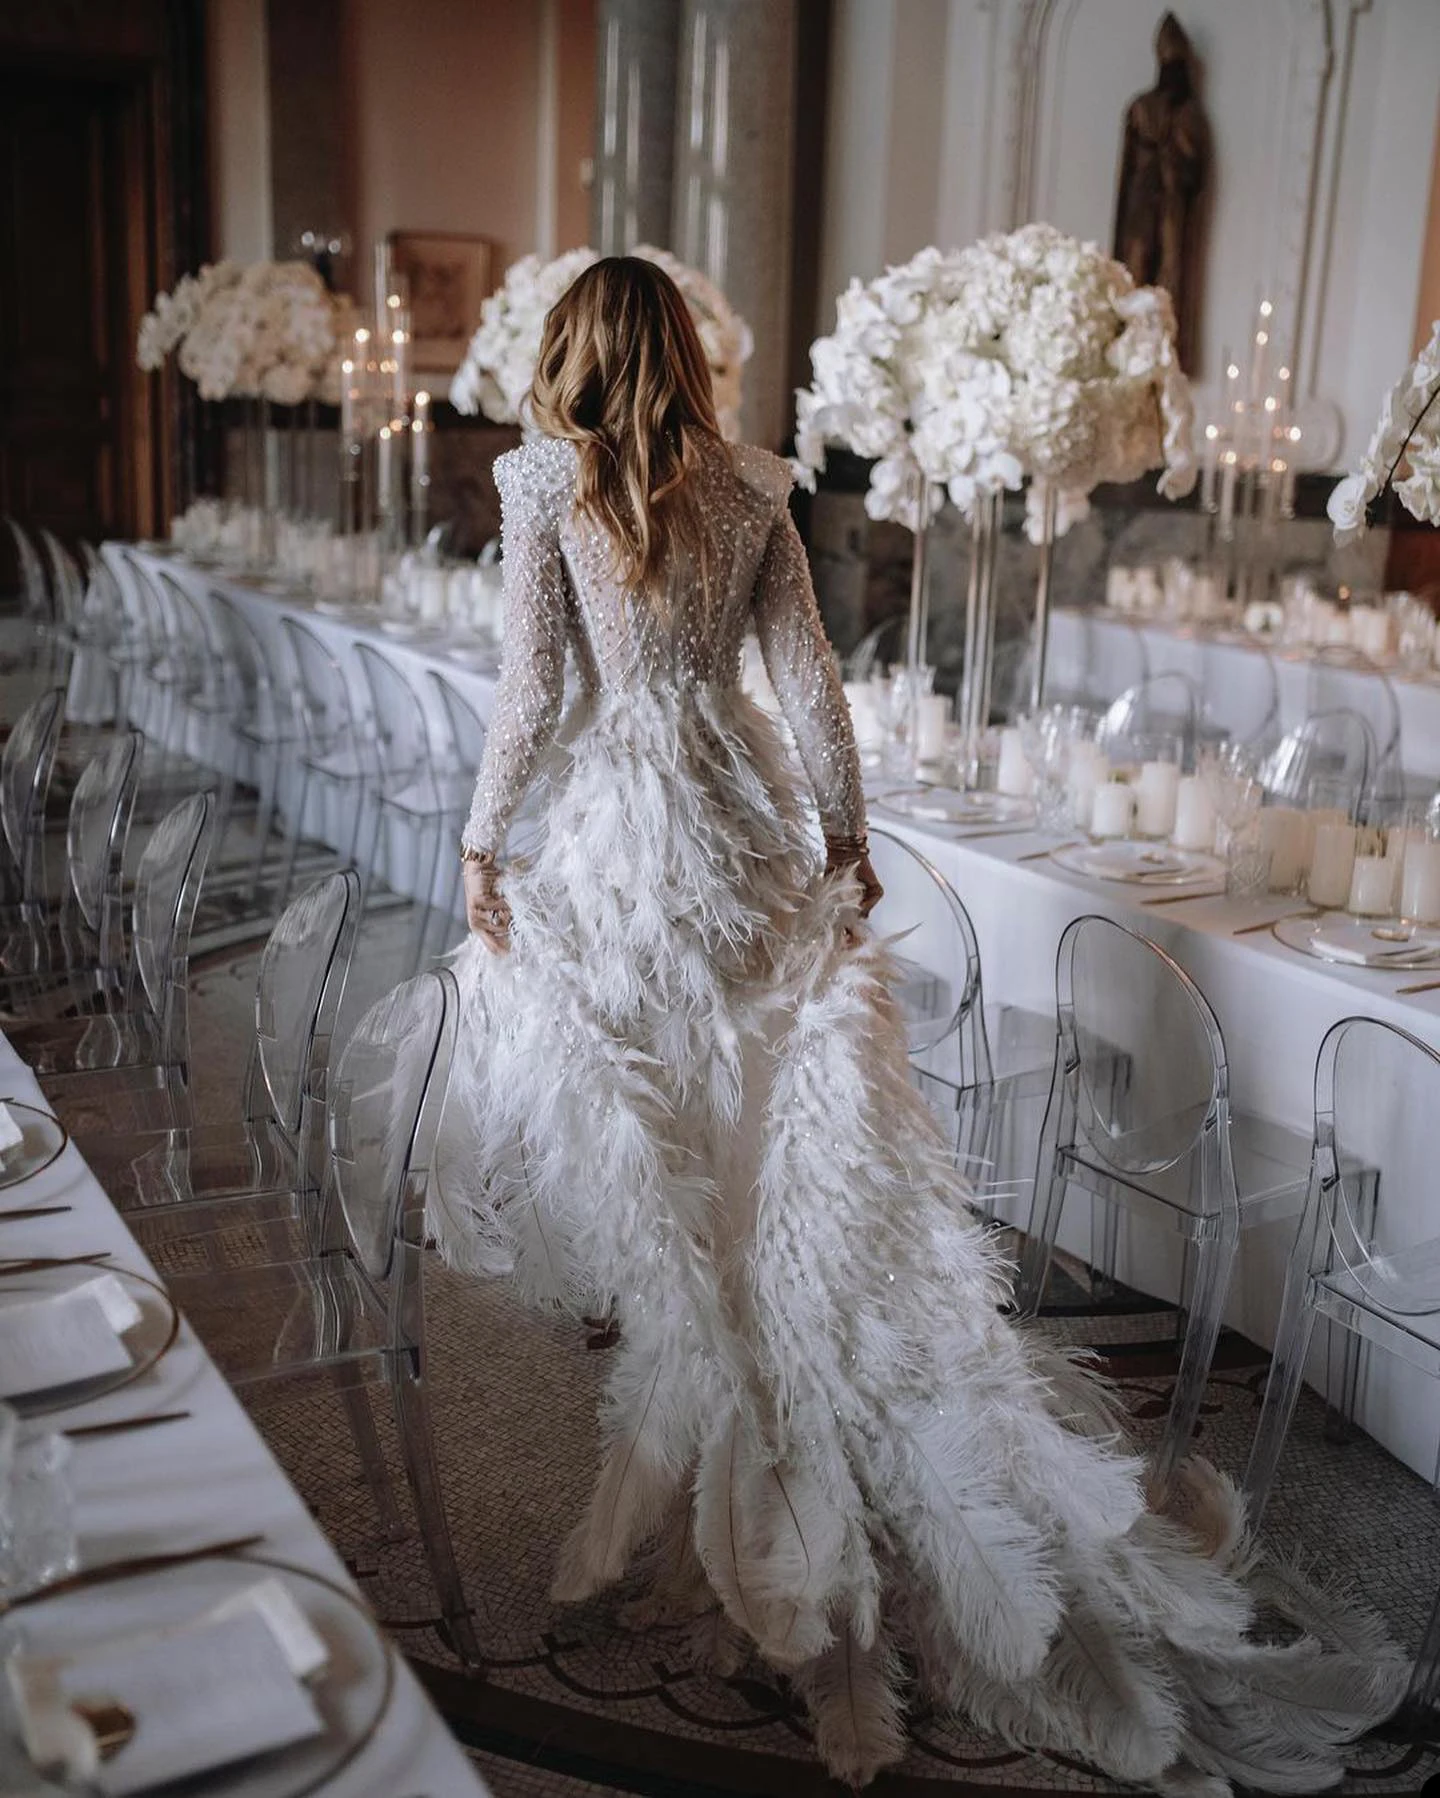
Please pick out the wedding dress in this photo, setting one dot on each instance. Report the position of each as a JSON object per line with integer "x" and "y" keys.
{"x": 684, "y": 1092}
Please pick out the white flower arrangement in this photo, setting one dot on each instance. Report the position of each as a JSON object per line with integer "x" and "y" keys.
{"x": 499, "y": 365}
{"x": 1027, "y": 355}
{"x": 1406, "y": 433}
{"x": 266, "y": 330}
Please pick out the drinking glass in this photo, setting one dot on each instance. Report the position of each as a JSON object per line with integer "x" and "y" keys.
{"x": 1247, "y": 857}
{"x": 37, "y": 1511}
{"x": 1048, "y": 738}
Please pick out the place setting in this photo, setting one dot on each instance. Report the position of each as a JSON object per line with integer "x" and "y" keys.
{"x": 31, "y": 1140}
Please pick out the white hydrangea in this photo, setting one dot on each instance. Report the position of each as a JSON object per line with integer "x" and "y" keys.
{"x": 265, "y": 330}
{"x": 1406, "y": 436}
{"x": 499, "y": 365}
{"x": 1025, "y": 356}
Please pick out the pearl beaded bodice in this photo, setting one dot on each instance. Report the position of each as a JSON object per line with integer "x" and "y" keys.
{"x": 561, "y": 593}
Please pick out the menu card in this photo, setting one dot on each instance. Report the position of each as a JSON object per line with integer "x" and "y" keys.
{"x": 222, "y": 1688}
{"x": 54, "y": 1338}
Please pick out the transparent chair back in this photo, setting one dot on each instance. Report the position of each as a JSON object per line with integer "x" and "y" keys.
{"x": 247, "y": 665}
{"x": 1246, "y": 709}
{"x": 938, "y": 956}
{"x": 167, "y": 889}
{"x": 26, "y": 764}
{"x": 34, "y": 587}
{"x": 1338, "y": 746}
{"x": 66, "y": 585}
{"x": 324, "y": 706}
{"x": 466, "y": 726}
{"x": 1342, "y": 679}
{"x": 99, "y": 823}
{"x": 1166, "y": 705}
{"x": 386, "y": 1094}
{"x": 192, "y": 646}
{"x": 397, "y": 739}
{"x": 1145, "y": 1045}
{"x": 298, "y": 992}
{"x": 104, "y": 606}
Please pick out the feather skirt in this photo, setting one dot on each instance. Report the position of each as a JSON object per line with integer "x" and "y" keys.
{"x": 685, "y": 1093}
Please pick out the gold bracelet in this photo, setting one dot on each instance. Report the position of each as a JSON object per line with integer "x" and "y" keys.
{"x": 484, "y": 857}
{"x": 847, "y": 848}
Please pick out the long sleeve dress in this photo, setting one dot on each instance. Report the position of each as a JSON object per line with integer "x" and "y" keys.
{"x": 685, "y": 1093}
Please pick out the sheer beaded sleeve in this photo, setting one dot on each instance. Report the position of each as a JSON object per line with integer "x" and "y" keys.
{"x": 532, "y": 678}
{"x": 802, "y": 670}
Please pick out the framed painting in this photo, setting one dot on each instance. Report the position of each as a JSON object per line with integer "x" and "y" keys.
{"x": 449, "y": 275}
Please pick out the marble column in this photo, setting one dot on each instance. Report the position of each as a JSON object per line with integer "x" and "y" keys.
{"x": 636, "y": 46}
{"x": 734, "y": 160}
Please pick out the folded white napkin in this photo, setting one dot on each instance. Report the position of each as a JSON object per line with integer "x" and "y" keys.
{"x": 11, "y": 1135}
{"x": 53, "y": 1338}
{"x": 219, "y": 1688}
{"x": 1382, "y": 955}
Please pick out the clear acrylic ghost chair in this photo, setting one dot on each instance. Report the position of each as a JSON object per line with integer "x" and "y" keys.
{"x": 36, "y": 602}
{"x": 1338, "y": 746}
{"x": 1160, "y": 705}
{"x": 1139, "y": 1116}
{"x": 263, "y": 730}
{"x": 355, "y": 1310}
{"x": 465, "y": 750}
{"x": 205, "y": 695}
{"x": 163, "y": 673}
{"x": 1240, "y": 693}
{"x": 331, "y": 753}
{"x": 86, "y": 928}
{"x": 26, "y": 764}
{"x": 1366, "y": 1257}
{"x": 1340, "y": 678}
{"x": 111, "y": 640}
{"x": 409, "y": 791}
{"x": 140, "y": 1028}
{"x": 1110, "y": 658}
{"x": 191, "y": 1180}
{"x": 970, "y": 1061}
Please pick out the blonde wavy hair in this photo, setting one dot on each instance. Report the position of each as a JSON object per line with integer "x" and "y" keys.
{"x": 623, "y": 376}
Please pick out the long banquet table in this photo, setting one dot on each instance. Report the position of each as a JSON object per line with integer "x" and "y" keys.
{"x": 1273, "y": 1004}
{"x": 1101, "y": 653}
{"x": 206, "y": 1478}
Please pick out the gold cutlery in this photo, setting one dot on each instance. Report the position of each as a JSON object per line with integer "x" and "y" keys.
{"x": 1269, "y": 923}
{"x": 30, "y": 1264}
{"x": 1424, "y": 986}
{"x": 1039, "y": 855}
{"x": 977, "y": 836}
{"x": 10, "y": 1217}
{"x": 1180, "y": 898}
{"x": 129, "y": 1568}
{"x": 81, "y": 1432}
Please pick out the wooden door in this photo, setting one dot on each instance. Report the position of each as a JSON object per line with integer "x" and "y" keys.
{"x": 75, "y": 233}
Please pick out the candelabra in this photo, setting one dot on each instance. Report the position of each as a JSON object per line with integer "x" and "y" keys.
{"x": 1248, "y": 469}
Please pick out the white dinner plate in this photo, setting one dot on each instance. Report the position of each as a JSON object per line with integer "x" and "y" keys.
{"x": 334, "y": 608}
{"x": 478, "y": 655}
{"x": 352, "y": 1692}
{"x": 1138, "y": 864}
{"x": 1354, "y": 943}
{"x": 43, "y": 1140}
{"x": 944, "y": 805}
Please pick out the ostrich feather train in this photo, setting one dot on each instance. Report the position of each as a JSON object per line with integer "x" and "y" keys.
{"x": 685, "y": 1091}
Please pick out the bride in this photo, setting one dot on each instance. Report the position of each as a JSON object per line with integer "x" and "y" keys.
{"x": 682, "y": 1091}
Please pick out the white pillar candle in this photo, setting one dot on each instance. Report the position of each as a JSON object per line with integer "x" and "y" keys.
{"x": 1285, "y": 832}
{"x": 1013, "y": 774}
{"x": 1331, "y": 862}
{"x": 866, "y": 725}
{"x": 1089, "y": 769}
{"x": 430, "y": 595}
{"x": 1119, "y": 587}
{"x": 1420, "y": 885}
{"x": 1110, "y": 814}
{"x": 1372, "y": 886}
{"x": 1194, "y": 816}
{"x": 932, "y": 715}
{"x": 1155, "y": 794}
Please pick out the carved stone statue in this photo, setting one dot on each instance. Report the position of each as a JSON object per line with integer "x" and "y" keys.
{"x": 1163, "y": 170}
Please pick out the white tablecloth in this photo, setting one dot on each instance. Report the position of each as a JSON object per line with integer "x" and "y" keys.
{"x": 1274, "y": 1006}
{"x": 1100, "y": 654}
{"x": 205, "y": 1479}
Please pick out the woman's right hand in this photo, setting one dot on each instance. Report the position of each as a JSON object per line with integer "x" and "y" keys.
{"x": 486, "y": 909}
{"x": 871, "y": 891}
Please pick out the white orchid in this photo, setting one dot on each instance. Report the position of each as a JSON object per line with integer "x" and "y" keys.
{"x": 267, "y": 330}
{"x": 1030, "y": 355}
{"x": 1406, "y": 436}
{"x": 499, "y": 366}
